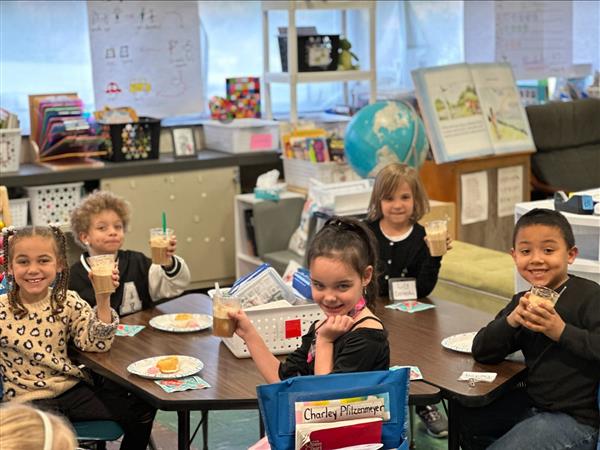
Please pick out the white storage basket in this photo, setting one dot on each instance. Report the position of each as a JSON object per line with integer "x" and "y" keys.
{"x": 298, "y": 172}
{"x": 18, "y": 211}
{"x": 241, "y": 135}
{"x": 10, "y": 149}
{"x": 53, "y": 204}
{"x": 281, "y": 328}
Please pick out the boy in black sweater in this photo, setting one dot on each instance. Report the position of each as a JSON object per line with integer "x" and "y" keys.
{"x": 561, "y": 343}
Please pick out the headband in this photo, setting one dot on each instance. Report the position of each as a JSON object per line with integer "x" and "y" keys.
{"x": 48, "y": 434}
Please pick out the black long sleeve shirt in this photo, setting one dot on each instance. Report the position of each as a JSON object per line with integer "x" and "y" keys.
{"x": 406, "y": 258}
{"x": 564, "y": 375}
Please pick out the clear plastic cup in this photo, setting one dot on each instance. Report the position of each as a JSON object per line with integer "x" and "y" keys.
{"x": 437, "y": 232}
{"x": 159, "y": 241}
{"x": 223, "y": 326}
{"x": 102, "y": 269}
{"x": 539, "y": 294}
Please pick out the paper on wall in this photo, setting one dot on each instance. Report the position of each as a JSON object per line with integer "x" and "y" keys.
{"x": 474, "y": 197}
{"x": 510, "y": 189}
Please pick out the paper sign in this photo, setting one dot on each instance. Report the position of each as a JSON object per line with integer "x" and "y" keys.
{"x": 261, "y": 141}
{"x": 402, "y": 288}
{"x": 293, "y": 328}
{"x": 183, "y": 384}
{"x": 510, "y": 189}
{"x": 474, "y": 197}
{"x": 488, "y": 377}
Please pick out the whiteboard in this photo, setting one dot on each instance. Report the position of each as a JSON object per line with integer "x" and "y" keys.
{"x": 146, "y": 55}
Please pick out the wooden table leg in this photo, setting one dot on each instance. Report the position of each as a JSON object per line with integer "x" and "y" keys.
{"x": 183, "y": 430}
{"x": 453, "y": 426}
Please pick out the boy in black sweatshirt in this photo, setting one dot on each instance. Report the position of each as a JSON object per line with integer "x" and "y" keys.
{"x": 558, "y": 407}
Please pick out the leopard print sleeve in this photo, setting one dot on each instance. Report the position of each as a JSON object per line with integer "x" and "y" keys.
{"x": 86, "y": 330}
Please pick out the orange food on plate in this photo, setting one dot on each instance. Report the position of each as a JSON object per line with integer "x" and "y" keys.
{"x": 183, "y": 316}
{"x": 169, "y": 364}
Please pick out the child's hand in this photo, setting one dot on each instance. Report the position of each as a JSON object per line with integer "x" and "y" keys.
{"x": 448, "y": 242}
{"x": 543, "y": 318}
{"x": 243, "y": 325}
{"x": 333, "y": 327}
{"x": 515, "y": 319}
{"x": 171, "y": 248}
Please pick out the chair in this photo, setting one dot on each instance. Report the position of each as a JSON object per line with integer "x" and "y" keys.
{"x": 277, "y": 401}
{"x": 98, "y": 432}
{"x": 567, "y": 139}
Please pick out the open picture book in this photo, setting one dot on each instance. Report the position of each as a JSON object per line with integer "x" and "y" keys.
{"x": 472, "y": 110}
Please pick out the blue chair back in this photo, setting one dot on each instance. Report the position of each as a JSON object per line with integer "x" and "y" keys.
{"x": 277, "y": 402}
{"x": 97, "y": 430}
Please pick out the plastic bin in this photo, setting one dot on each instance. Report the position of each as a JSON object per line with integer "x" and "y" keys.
{"x": 10, "y": 149}
{"x": 298, "y": 172}
{"x": 18, "y": 211}
{"x": 136, "y": 141}
{"x": 241, "y": 135}
{"x": 316, "y": 52}
{"x": 53, "y": 204}
{"x": 281, "y": 328}
{"x": 586, "y": 228}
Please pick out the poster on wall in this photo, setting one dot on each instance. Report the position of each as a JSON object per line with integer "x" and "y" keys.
{"x": 146, "y": 55}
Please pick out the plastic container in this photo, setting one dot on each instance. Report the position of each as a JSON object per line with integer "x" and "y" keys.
{"x": 316, "y": 52}
{"x": 281, "y": 328}
{"x": 136, "y": 141}
{"x": 53, "y": 204}
{"x": 18, "y": 211}
{"x": 241, "y": 135}
{"x": 298, "y": 172}
{"x": 10, "y": 149}
{"x": 586, "y": 228}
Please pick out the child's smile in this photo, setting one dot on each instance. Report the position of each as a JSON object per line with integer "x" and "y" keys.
{"x": 34, "y": 267}
{"x": 541, "y": 255}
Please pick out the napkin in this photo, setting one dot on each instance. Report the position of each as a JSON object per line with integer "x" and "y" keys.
{"x": 183, "y": 384}
{"x": 128, "y": 330}
{"x": 415, "y": 372}
{"x": 410, "y": 306}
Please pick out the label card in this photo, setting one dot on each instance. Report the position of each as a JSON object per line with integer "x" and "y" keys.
{"x": 402, "y": 289}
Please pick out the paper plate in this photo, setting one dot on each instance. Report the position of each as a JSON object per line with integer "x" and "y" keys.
{"x": 460, "y": 342}
{"x": 146, "y": 368}
{"x": 167, "y": 322}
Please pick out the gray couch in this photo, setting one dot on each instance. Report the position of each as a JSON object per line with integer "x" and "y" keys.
{"x": 567, "y": 139}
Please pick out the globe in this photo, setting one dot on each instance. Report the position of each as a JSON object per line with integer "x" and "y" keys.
{"x": 382, "y": 133}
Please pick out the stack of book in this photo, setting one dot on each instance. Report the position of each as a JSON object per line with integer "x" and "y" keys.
{"x": 59, "y": 129}
{"x": 312, "y": 145}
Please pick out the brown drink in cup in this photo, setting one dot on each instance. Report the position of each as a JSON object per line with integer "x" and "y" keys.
{"x": 437, "y": 232}
{"x": 159, "y": 241}
{"x": 102, "y": 270}
{"x": 223, "y": 326}
{"x": 539, "y": 294}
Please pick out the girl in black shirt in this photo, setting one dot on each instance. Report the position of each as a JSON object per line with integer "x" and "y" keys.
{"x": 341, "y": 260}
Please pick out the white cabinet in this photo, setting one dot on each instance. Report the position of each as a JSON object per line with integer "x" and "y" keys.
{"x": 292, "y": 76}
{"x": 245, "y": 259}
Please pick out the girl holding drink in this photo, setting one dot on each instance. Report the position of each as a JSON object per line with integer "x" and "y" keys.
{"x": 351, "y": 338}
{"x": 398, "y": 202}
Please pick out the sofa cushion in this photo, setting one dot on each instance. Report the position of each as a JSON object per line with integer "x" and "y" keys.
{"x": 561, "y": 125}
{"x": 574, "y": 169}
{"x": 479, "y": 268}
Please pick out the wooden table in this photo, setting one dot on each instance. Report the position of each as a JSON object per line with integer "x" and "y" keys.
{"x": 233, "y": 381}
{"x": 415, "y": 340}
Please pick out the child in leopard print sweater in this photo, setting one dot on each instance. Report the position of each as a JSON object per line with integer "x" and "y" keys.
{"x": 39, "y": 317}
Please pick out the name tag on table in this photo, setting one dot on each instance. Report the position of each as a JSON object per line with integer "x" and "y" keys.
{"x": 478, "y": 376}
{"x": 402, "y": 289}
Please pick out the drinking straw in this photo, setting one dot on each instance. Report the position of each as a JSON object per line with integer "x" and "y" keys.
{"x": 164, "y": 223}
{"x": 217, "y": 289}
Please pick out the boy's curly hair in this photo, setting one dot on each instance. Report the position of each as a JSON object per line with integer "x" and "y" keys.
{"x": 93, "y": 204}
